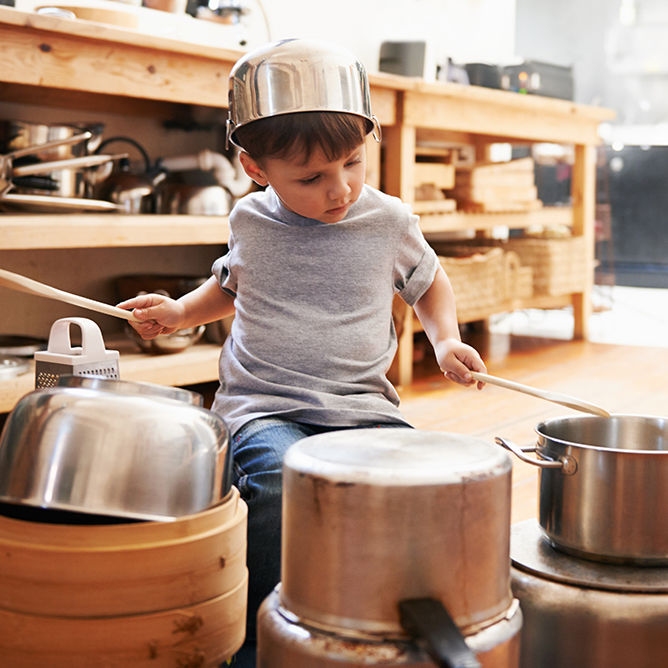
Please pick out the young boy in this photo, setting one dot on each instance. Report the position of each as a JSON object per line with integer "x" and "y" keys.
{"x": 313, "y": 264}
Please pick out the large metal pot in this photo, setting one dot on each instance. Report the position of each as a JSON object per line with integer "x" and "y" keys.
{"x": 372, "y": 517}
{"x": 114, "y": 448}
{"x": 603, "y": 483}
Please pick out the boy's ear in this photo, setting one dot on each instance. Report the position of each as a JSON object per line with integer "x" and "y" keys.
{"x": 252, "y": 169}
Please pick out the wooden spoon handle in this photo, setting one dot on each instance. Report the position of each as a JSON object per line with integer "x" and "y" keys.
{"x": 555, "y": 397}
{"x": 9, "y": 279}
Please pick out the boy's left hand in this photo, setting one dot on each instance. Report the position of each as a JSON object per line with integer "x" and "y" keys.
{"x": 456, "y": 359}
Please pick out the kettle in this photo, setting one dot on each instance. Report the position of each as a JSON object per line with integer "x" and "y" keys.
{"x": 132, "y": 191}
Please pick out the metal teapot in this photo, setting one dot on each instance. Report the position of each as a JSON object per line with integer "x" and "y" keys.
{"x": 132, "y": 191}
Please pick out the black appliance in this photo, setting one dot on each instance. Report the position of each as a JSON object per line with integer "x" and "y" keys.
{"x": 538, "y": 78}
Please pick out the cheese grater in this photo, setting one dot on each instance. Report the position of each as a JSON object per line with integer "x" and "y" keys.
{"x": 62, "y": 359}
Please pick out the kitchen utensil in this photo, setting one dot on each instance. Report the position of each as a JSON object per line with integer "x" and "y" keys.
{"x": 411, "y": 530}
{"x": 394, "y": 514}
{"x": 11, "y": 366}
{"x": 6, "y": 160}
{"x": 9, "y": 279}
{"x": 10, "y": 170}
{"x": 579, "y": 614}
{"x": 602, "y": 484}
{"x": 132, "y": 191}
{"x": 111, "y": 447}
{"x": 297, "y": 75}
{"x": 20, "y": 346}
{"x": 48, "y": 203}
{"x": 555, "y": 397}
{"x": 61, "y": 358}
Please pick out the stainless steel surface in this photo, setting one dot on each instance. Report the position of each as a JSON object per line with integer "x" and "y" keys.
{"x": 194, "y": 200}
{"x": 49, "y": 142}
{"x": 114, "y": 448}
{"x": 285, "y": 642}
{"x": 12, "y": 366}
{"x": 532, "y": 552}
{"x": 21, "y": 346}
{"x": 47, "y": 203}
{"x": 175, "y": 342}
{"x": 294, "y": 76}
{"x": 573, "y": 626}
{"x": 610, "y": 508}
{"x": 407, "y": 513}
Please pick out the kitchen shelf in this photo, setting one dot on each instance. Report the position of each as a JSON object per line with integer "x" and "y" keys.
{"x": 463, "y": 222}
{"x": 109, "y": 230}
{"x": 54, "y": 62}
{"x": 197, "y": 364}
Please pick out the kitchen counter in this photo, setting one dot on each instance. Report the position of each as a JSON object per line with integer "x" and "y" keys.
{"x": 55, "y": 62}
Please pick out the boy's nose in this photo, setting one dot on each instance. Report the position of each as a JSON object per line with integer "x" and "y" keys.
{"x": 339, "y": 188}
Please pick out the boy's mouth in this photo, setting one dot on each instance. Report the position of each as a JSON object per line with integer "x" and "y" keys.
{"x": 338, "y": 210}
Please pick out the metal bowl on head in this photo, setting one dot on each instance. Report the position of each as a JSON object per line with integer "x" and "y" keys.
{"x": 295, "y": 75}
{"x": 114, "y": 448}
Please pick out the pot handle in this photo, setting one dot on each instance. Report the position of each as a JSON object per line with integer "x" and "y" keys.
{"x": 567, "y": 463}
{"x": 427, "y": 620}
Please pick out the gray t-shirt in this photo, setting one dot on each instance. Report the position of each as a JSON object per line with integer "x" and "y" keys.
{"x": 313, "y": 337}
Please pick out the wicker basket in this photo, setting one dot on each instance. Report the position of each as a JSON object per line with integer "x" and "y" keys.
{"x": 559, "y": 265}
{"x": 479, "y": 278}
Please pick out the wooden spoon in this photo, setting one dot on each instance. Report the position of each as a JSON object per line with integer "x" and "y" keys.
{"x": 9, "y": 279}
{"x": 563, "y": 399}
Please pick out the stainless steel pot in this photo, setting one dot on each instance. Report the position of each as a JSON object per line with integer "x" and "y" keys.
{"x": 603, "y": 485}
{"x": 296, "y": 75}
{"x": 583, "y": 614}
{"x": 114, "y": 448}
{"x": 48, "y": 143}
{"x": 372, "y": 517}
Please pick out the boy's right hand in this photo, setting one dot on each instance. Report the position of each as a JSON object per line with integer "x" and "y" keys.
{"x": 157, "y": 314}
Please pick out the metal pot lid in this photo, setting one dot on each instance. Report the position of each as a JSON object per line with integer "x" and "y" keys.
{"x": 397, "y": 457}
{"x": 23, "y": 346}
{"x": 531, "y": 551}
{"x": 11, "y": 366}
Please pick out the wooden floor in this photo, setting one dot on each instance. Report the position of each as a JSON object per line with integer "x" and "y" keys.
{"x": 622, "y": 379}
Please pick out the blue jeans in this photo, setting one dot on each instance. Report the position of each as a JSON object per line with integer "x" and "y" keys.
{"x": 258, "y": 448}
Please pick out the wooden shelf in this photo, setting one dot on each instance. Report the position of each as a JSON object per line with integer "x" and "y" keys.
{"x": 30, "y": 231}
{"x": 197, "y": 364}
{"x": 460, "y": 222}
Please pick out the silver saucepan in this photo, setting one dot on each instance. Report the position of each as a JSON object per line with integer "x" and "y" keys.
{"x": 603, "y": 486}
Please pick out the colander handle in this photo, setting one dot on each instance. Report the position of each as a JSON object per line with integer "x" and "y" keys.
{"x": 92, "y": 343}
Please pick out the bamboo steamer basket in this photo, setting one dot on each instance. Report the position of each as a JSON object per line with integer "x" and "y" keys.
{"x": 198, "y": 636}
{"x": 73, "y": 571}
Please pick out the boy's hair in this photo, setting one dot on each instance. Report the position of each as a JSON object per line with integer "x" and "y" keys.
{"x": 298, "y": 135}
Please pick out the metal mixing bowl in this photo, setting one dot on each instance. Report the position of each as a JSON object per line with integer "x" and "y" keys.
{"x": 114, "y": 448}
{"x": 296, "y": 75}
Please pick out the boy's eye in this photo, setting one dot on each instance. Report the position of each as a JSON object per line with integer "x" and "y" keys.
{"x": 310, "y": 179}
{"x": 352, "y": 162}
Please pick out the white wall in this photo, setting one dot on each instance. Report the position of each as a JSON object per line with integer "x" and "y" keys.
{"x": 465, "y": 30}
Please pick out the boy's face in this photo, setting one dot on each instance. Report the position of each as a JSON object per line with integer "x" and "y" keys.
{"x": 319, "y": 188}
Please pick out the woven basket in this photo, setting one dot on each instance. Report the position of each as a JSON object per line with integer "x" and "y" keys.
{"x": 478, "y": 277}
{"x": 559, "y": 265}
